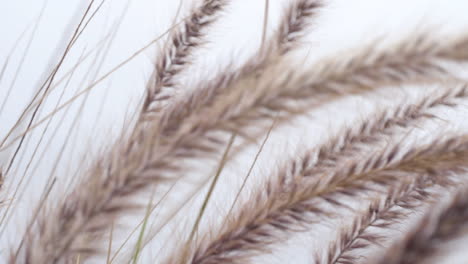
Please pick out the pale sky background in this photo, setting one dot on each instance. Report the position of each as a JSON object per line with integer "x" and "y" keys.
{"x": 343, "y": 25}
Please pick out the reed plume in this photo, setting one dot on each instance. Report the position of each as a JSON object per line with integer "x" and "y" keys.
{"x": 120, "y": 183}
{"x": 192, "y": 128}
{"x": 176, "y": 55}
{"x": 383, "y": 213}
{"x": 285, "y": 206}
{"x": 285, "y": 39}
{"x": 150, "y": 156}
{"x": 295, "y": 22}
{"x": 287, "y": 92}
{"x": 432, "y": 231}
{"x": 381, "y": 125}
{"x": 275, "y": 50}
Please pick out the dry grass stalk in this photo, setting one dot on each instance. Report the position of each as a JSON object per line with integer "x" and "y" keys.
{"x": 295, "y": 22}
{"x": 150, "y": 157}
{"x": 272, "y": 51}
{"x": 284, "y": 208}
{"x": 177, "y": 54}
{"x": 370, "y": 131}
{"x": 102, "y": 182}
{"x": 268, "y": 86}
{"x": 278, "y": 45}
{"x": 383, "y": 213}
{"x": 384, "y": 124}
{"x": 285, "y": 89}
{"x": 433, "y": 230}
